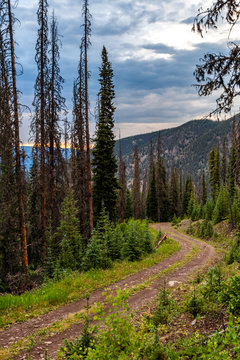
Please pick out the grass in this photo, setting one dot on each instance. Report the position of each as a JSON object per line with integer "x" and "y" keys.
{"x": 62, "y": 325}
{"x": 74, "y": 286}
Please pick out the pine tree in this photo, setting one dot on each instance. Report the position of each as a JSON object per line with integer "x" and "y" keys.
{"x": 104, "y": 163}
{"x": 79, "y": 156}
{"x": 173, "y": 193}
{"x": 10, "y": 251}
{"x": 204, "y": 189}
{"x": 128, "y": 213}
{"x": 136, "y": 186}
{"x": 224, "y": 163}
{"x": 70, "y": 238}
{"x": 232, "y": 170}
{"x": 214, "y": 171}
{"x": 151, "y": 204}
{"x": 15, "y": 108}
{"x": 187, "y": 194}
{"x": 221, "y": 210}
{"x": 159, "y": 177}
{"x": 41, "y": 104}
{"x": 122, "y": 185}
{"x": 86, "y": 43}
{"x": 57, "y": 182}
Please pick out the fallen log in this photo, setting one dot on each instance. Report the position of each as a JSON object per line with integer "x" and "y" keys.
{"x": 161, "y": 240}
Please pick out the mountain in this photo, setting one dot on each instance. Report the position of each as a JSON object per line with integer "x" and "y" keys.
{"x": 187, "y": 146}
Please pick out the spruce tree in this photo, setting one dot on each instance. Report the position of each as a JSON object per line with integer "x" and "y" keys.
{"x": 57, "y": 181}
{"x": 104, "y": 163}
{"x": 211, "y": 168}
{"x": 10, "y": 258}
{"x": 128, "y": 213}
{"x": 173, "y": 193}
{"x": 41, "y": 115}
{"x": 85, "y": 45}
{"x": 6, "y": 12}
{"x": 136, "y": 186}
{"x": 187, "y": 194}
{"x": 204, "y": 190}
{"x": 79, "y": 173}
{"x": 224, "y": 163}
{"x": 152, "y": 204}
{"x": 122, "y": 185}
{"x": 69, "y": 235}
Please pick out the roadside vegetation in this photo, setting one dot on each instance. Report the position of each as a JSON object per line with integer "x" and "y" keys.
{"x": 67, "y": 285}
{"x": 198, "y": 320}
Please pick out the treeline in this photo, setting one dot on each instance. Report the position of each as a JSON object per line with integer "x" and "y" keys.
{"x": 33, "y": 224}
{"x": 223, "y": 202}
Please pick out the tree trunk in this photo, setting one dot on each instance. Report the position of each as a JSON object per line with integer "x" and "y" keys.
{"x": 17, "y": 151}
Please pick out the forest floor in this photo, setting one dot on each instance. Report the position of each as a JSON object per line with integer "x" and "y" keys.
{"x": 47, "y": 333}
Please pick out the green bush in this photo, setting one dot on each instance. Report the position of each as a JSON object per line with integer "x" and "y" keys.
{"x": 194, "y": 305}
{"x": 230, "y": 295}
{"x": 213, "y": 283}
{"x": 164, "y": 307}
{"x": 234, "y": 253}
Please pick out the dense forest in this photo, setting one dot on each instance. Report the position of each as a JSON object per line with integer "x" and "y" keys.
{"x": 63, "y": 203}
{"x": 79, "y": 220}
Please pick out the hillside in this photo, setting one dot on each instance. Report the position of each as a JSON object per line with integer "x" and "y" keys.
{"x": 187, "y": 146}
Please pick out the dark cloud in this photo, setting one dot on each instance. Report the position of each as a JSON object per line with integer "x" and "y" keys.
{"x": 148, "y": 88}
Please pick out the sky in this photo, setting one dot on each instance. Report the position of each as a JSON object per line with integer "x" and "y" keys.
{"x": 152, "y": 50}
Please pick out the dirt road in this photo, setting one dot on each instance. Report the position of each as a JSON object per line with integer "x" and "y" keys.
{"x": 174, "y": 277}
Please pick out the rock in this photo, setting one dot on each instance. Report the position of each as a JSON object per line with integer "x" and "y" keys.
{"x": 194, "y": 322}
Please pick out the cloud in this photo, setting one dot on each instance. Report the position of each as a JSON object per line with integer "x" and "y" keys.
{"x": 150, "y": 44}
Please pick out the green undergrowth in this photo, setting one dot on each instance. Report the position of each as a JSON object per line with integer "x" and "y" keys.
{"x": 126, "y": 336}
{"x": 75, "y": 286}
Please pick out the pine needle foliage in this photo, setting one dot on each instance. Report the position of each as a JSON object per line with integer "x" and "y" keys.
{"x": 69, "y": 235}
{"x": 104, "y": 163}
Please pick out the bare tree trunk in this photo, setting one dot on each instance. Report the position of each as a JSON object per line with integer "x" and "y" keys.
{"x": 87, "y": 125}
{"x": 17, "y": 150}
{"x": 42, "y": 155}
{"x": 51, "y": 133}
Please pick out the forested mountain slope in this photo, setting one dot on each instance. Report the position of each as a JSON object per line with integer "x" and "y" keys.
{"x": 187, "y": 146}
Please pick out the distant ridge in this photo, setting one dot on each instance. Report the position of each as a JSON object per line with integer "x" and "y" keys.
{"x": 187, "y": 146}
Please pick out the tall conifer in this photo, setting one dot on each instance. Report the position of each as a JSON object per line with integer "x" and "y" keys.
{"x": 104, "y": 163}
{"x": 136, "y": 186}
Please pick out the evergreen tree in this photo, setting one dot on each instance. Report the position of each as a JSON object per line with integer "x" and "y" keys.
{"x": 104, "y": 163}
{"x": 10, "y": 252}
{"x": 224, "y": 163}
{"x": 204, "y": 194}
{"x": 79, "y": 172}
{"x": 232, "y": 170}
{"x": 41, "y": 114}
{"x": 128, "y": 213}
{"x": 122, "y": 185}
{"x": 221, "y": 210}
{"x": 136, "y": 186}
{"x": 57, "y": 182}
{"x": 85, "y": 44}
{"x": 160, "y": 178}
{"x": 152, "y": 204}
{"x": 212, "y": 166}
{"x": 187, "y": 194}
{"x": 8, "y": 16}
{"x": 69, "y": 235}
{"x": 173, "y": 193}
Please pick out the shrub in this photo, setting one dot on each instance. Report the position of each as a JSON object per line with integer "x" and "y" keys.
{"x": 230, "y": 294}
{"x": 234, "y": 253}
{"x": 164, "y": 306}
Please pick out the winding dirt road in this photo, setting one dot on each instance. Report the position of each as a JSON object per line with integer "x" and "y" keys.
{"x": 204, "y": 258}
